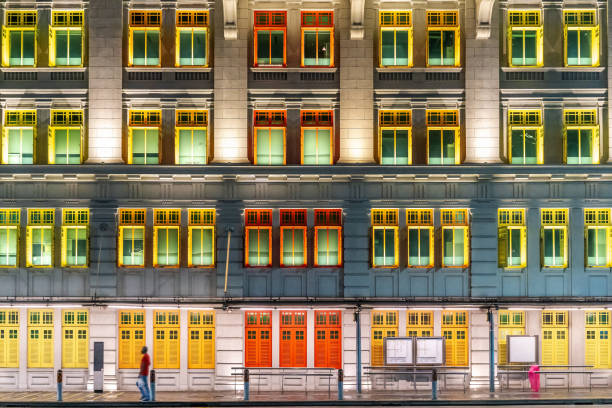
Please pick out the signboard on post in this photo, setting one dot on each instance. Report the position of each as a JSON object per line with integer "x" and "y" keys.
{"x": 430, "y": 351}
{"x": 398, "y": 351}
{"x": 522, "y": 349}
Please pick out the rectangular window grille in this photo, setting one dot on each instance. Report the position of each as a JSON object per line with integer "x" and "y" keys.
{"x": 419, "y": 323}
{"x": 131, "y": 338}
{"x": 201, "y": 344}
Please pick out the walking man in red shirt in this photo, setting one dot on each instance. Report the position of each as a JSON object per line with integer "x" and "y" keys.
{"x": 143, "y": 376}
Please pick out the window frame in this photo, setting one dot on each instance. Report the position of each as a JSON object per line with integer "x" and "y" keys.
{"x": 292, "y": 347}
{"x": 45, "y": 345}
{"x": 23, "y": 23}
{"x": 385, "y": 219}
{"x": 598, "y": 347}
{"x": 554, "y": 223}
{"x": 419, "y": 323}
{"x": 293, "y": 221}
{"x": 443, "y": 120}
{"x": 131, "y": 326}
{"x": 10, "y": 220}
{"x": 324, "y": 222}
{"x": 80, "y": 346}
{"x": 40, "y": 219}
{"x": 523, "y": 25}
{"x": 318, "y": 27}
{"x": 395, "y": 26}
{"x": 65, "y": 120}
{"x": 596, "y": 219}
{"x": 511, "y": 219}
{"x": 203, "y": 325}
{"x": 555, "y": 326}
{"x": 328, "y": 349}
{"x": 202, "y": 219}
{"x": 384, "y": 323}
{"x": 131, "y": 218}
{"x": 440, "y": 24}
{"x": 192, "y": 25}
{"x": 18, "y": 119}
{"x": 167, "y": 326}
{"x": 268, "y": 120}
{"x": 10, "y": 338}
{"x": 168, "y": 220}
{"x": 450, "y": 327}
{"x": 74, "y": 218}
{"x": 317, "y": 120}
{"x": 526, "y": 119}
{"x": 582, "y": 26}
{"x": 68, "y": 24}
{"x": 456, "y": 219}
{"x": 394, "y": 120}
{"x": 144, "y": 120}
{"x": 269, "y": 27}
{"x": 262, "y": 346}
{"x": 511, "y": 328}
{"x": 147, "y": 25}
{"x": 419, "y": 220}
{"x": 582, "y": 119}
{"x": 190, "y": 120}
{"x": 260, "y": 223}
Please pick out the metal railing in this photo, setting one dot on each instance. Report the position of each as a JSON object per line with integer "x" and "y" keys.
{"x": 283, "y": 372}
{"x": 415, "y": 374}
{"x": 522, "y": 371}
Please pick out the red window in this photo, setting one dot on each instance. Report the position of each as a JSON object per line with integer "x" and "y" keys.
{"x": 328, "y": 339}
{"x": 328, "y": 237}
{"x": 293, "y": 339}
{"x": 293, "y": 237}
{"x": 258, "y": 339}
{"x": 270, "y": 38}
{"x": 317, "y": 39}
{"x": 258, "y": 237}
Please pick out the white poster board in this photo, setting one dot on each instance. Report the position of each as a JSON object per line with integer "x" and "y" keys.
{"x": 522, "y": 349}
{"x": 430, "y": 351}
{"x": 398, "y": 351}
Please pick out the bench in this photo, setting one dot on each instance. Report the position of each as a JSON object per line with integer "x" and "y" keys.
{"x": 415, "y": 374}
{"x": 522, "y": 372}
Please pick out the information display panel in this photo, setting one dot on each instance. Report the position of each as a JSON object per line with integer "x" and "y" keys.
{"x": 522, "y": 349}
{"x": 399, "y": 351}
{"x": 430, "y": 351}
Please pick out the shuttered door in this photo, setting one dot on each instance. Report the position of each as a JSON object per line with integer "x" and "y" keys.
{"x": 258, "y": 339}
{"x": 597, "y": 339}
{"x": 455, "y": 331}
{"x": 40, "y": 339}
{"x": 555, "y": 344}
{"x": 328, "y": 339}
{"x": 68, "y": 345}
{"x": 75, "y": 339}
{"x": 384, "y": 324}
{"x": 502, "y": 344}
{"x": 12, "y": 348}
{"x": 9, "y": 339}
{"x": 166, "y": 343}
{"x": 131, "y": 338}
{"x": 292, "y": 339}
{"x": 159, "y": 347}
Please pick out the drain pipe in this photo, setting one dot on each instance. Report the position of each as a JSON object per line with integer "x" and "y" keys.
{"x": 357, "y": 319}
{"x": 491, "y": 350}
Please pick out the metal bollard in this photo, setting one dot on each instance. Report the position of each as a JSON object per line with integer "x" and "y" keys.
{"x": 340, "y": 384}
{"x": 152, "y": 385}
{"x": 246, "y": 384}
{"x": 434, "y": 384}
{"x": 59, "y": 385}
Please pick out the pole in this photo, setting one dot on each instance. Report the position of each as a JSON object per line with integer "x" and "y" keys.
{"x": 246, "y": 384}
{"x": 229, "y": 235}
{"x": 434, "y": 384}
{"x": 152, "y": 396}
{"x": 59, "y": 385}
{"x": 358, "y": 334}
{"x": 340, "y": 384}
{"x": 491, "y": 351}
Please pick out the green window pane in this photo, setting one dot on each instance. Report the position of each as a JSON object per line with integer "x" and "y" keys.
{"x": 389, "y": 246}
{"x": 263, "y": 47}
{"x": 133, "y": 246}
{"x": 185, "y": 50}
{"x": 192, "y": 146}
{"x": 572, "y": 47}
{"x": 202, "y": 246}
{"x": 145, "y": 146}
{"x": 517, "y": 47}
{"x": 418, "y": 246}
{"x": 554, "y": 247}
{"x": 310, "y": 146}
{"x": 435, "y": 146}
{"x": 531, "y": 47}
{"x": 388, "y": 146}
{"x": 293, "y": 247}
{"x": 277, "y": 45}
{"x": 579, "y": 146}
{"x": 139, "y": 47}
{"x": 388, "y": 47}
{"x": 67, "y": 146}
{"x": 41, "y": 246}
{"x": 324, "y": 49}
{"x": 327, "y": 247}
{"x": 74, "y": 146}
{"x": 596, "y": 247}
{"x": 310, "y": 48}
{"x": 401, "y": 47}
{"x": 324, "y": 146}
{"x": 379, "y": 249}
{"x": 447, "y": 246}
{"x": 76, "y": 246}
{"x": 586, "y": 146}
{"x": 29, "y": 48}
{"x": 514, "y": 247}
{"x": 61, "y": 146}
{"x": 76, "y": 47}
{"x": 199, "y": 47}
{"x": 8, "y": 247}
{"x": 586, "y": 57}
{"x": 167, "y": 246}
{"x": 434, "y": 47}
{"x": 277, "y": 146}
{"x": 448, "y": 151}
{"x": 20, "y": 146}
{"x": 573, "y": 145}
{"x": 448, "y": 42}
{"x": 152, "y": 48}
{"x": 524, "y": 146}
{"x": 259, "y": 251}
{"x": 15, "y": 48}
{"x": 61, "y": 47}
{"x": 263, "y": 146}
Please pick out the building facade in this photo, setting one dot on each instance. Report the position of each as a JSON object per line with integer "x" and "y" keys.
{"x": 252, "y": 184}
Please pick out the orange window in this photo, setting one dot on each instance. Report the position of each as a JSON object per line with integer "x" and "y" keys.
{"x": 258, "y": 339}
{"x": 317, "y": 39}
{"x": 328, "y": 237}
{"x": 293, "y": 339}
{"x": 317, "y": 137}
{"x": 270, "y": 38}
{"x": 293, "y": 237}
{"x": 328, "y": 339}
{"x": 258, "y": 237}
{"x": 269, "y": 129}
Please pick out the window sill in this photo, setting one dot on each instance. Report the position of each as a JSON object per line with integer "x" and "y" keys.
{"x": 281, "y": 69}
{"x": 419, "y": 69}
{"x": 167, "y": 69}
{"x": 42, "y": 69}
{"x": 554, "y": 69}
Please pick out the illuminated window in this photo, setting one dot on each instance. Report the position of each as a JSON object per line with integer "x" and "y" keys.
{"x": 420, "y": 238}
{"x": 384, "y": 324}
{"x": 9, "y": 237}
{"x": 144, "y": 38}
{"x": 39, "y": 237}
{"x": 143, "y": 137}
{"x": 131, "y": 237}
{"x": 455, "y": 332}
{"x": 75, "y": 339}
{"x": 597, "y": 339}
{"x": 201, "y": 344}
{"x": 317, "y": 137}
{"x": 65, "y": 145}
{"x": 553, "y": 236}
{"x": 317, "y": 38}
{"x": 75, "y": 238}
{"x": 328, "y": 237}
{"x": 292, "y": 347}
{"x": 511, "y": 238}
{"x": 192, "y": 38}
{"x": 598, "y": 232}
{"x": 66, "y": 39}
{"x": 201, "y": 238}
{"x": 581, "y": 35}
{"x": 293, "y": 237}
{"x": 131, "y": 338}
{"x": 525, "y": 137}
{"x": 525, "y": 39}
{"x": 328, "y": 339}
{"x": 166, "y": 229}
{"x": 18, "y": 137}
{"x": 191, "y": 141}
{"x": 166, "y": 340}
{"x": 581, "y": 136}
{"x": 9, "y": 338}
{"x": 385, "y": 238}
{"x": 258, "y": 339}
{"x": 270, "y": 128}
{"x": 443, "y": 141}
{"x": 19, "y": 39}
{"x": 510, "y": 324}
{"x": 395, "y": 137}
{"x": 419, "y": 323}
{"x": 555, "y": 339}
{"x": 443, "y": 43}
{"x": 258, "y": 237}
{"x": 270, "y": 36}
{"x": 455, "y": 238}
{"x": 40, "y": 338}
{"x": 395, "y": 38}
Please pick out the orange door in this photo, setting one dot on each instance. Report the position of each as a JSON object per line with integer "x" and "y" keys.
{"x": 293, "y": 339}
{"x": 258, "y": 339}
{"x": 328, "y": 339}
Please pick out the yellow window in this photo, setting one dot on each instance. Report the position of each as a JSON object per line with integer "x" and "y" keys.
{"x": 455, "y": 331}
{"x": 580, "y": 136}
{"x": 40, "y": 338}
{"x": 131, "y": 237}
{"x": 455, "y": 238}
{"x": 201, "y": 353}
{"x": 555, "y": 339}
{"x": 166, "y": 343}
{"x": 190, "y": 143}
{"x": 75, "y": 237}
{"x": 75, "y": 339}
{"x": 166, "y": 237}
{"x": 553, "y": 237}
{"x": 443, "y": 137}
{"x": 9, "y": 338}
{"x": 19, "y": 38}
{"x": 443, "y": 42}
{"x": 192, "y": 38}
{"x": 19, "y": 137}
{"x": 385, "y": 239}
{"x": 510, "y": 324}
{"x": 525, "y": 137}
{"x": 597, "y": 339}
{"x": 269, "y": 141}
{"x": 144, "y": 46}
{"x": 598, "y": 237}
{"x": 202, "y": 238}
{"x": 384, "y": 324}
{"x": 581, "y": 38}
{"x": 395, "y": 139}
{"x": 39, "y": 237}
{"x": 419, "y": 323}
{"x": 143, "y": 137}
{"x": 131, "y": 337}
{"x": 525, "y": 38}
{"x": 66, "y": 43}
{"x": 9, "y": 237}
{"x": 420, "y": 238}
{"x": 395, "y": 39}
{"x": 511, "y": 238}
{"x": 65, "y": 137}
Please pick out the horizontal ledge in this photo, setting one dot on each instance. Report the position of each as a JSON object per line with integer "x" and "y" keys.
{"x": 167, "y": 69}
{"x": 281, "y": 69}
{"x": 44, "y": 69}
{"x": 553, "y": 69}
{"x": 419, "y": 69}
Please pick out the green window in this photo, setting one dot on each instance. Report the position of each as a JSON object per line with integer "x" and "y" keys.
{"x": 395, "y": 146}
{"x": 597, "y": 246}
{"x": 22, "y": 47}
{"x": 145, "y": 47}
{"x": 270, "y": 146}
{"x": 385, "y": 245}
{"x": 524, "y": 47}
{"x": 258, "y": 246}
{"x": 20, "y": 148}
{"x": 192, "y": 47}
{"x": 579, "y": 146}
{"x": 145, "y": 148}
{"x": 67, "y": 146}
{"x": 580, "y": 47}
{"x": 395, "y": 47}
{"x": 328, "y": 246}
{"x": 68, "y": 47}
{"x": 317, "y": 146}
{"x": 76, "y": 246}
{"x": 441, "y": 48}
{"x": 202, "y": 246}
{"x": 512, "y": 241}
{"x": 293, "y": 246}
{"x": 132, "y": 246}
{"x": 420, "y": 241}
{"x": 317, "y": 48}
{"x": 41, "y": 246}
{"x": 166, "y": 246}
{"x": 441, "y": 144}
{"x": 524, "y": 146}
{"x": 270, "y": 47}
{"x": 454, "y": 246}
{"x": 192, "y": 146}
{"x": 8, "y": 246}
{"x": 554, "y": 246}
